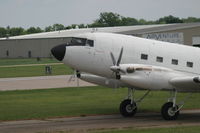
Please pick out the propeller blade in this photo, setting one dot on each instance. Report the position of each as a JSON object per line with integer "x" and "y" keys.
{"x": 120, "y": 56}
{"x": 116, "y": 68}
{"x": 113, "y": 58}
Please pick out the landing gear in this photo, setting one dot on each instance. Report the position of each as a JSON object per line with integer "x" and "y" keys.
{"x": 128, "y": 107}
{"x": 170, "y": 111}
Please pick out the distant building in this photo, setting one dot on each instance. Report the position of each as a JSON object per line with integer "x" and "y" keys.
{"x": 39, "y": 45}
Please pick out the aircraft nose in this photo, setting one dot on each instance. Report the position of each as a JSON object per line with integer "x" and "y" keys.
{"x": 59, "y": 51}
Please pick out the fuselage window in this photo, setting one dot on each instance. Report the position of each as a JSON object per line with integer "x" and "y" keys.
{"x": 90, "y": 43}
{"x": 189, "y": 64}
{"x": 159, "y": 59}
{"x": 174, "y": 61}
{"x": 144, "y": 56}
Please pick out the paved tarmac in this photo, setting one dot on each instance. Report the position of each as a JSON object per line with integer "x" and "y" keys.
{"x": 88, "y": 123}
{"x": 41, "y": 82}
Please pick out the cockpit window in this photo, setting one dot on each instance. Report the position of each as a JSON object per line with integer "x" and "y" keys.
{"x": 81, "y": 42}
{"x": 78, "y": 41}
{"x": 90, "y": 43}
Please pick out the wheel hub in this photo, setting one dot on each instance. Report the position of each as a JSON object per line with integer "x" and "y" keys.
{"x": 129, "y": 108}
{"x": 171, "y": 111}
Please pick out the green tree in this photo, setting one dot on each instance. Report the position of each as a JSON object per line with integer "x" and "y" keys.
{"x": 82, "y": 26}
{"x": 142, "y": 22}
{"x": 48, "y": 29}
{"x": 169, "y": 20}
{"x": 191, "y": 20}
{"x": 126, "y": 21}
{"x": 57, "y": 27}
{"x": 15, "y": 31}
{"x": 73, "y": 26}
{"x": 108, "y": 19}
{"x": 34, "y": 30}
{"x": 3, "y": 32}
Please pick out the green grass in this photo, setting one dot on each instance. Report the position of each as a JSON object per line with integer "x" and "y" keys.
{"x": 5, "y": 62}
{"x": 181, "y": 129}
{"x": 61, "y": 102}
{"x": 29, "y": 71}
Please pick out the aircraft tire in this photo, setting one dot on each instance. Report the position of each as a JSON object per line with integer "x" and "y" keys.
{"x": 127, "y": 109}
{"x": 168, "y": 113}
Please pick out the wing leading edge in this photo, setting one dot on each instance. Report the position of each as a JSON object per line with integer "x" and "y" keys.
{"x": 186, "y": 83}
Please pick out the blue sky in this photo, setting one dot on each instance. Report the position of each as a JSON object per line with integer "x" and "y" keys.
{"x": 42, "y": 13}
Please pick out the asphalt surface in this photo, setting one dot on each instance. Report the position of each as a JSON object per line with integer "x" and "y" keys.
{"x": 85, "y": 124}
{"x": 41, "y": 82}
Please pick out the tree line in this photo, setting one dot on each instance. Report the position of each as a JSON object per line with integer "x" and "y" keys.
{"x": 106, "y": 19}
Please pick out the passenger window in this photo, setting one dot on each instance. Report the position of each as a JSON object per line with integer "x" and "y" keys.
{"x": 174, "y": 61}
{"x": 189, "y": 64}
{"x": 159, "y": 59}
{"x": 144, "y": 56}
{"x": 90, "y": 43}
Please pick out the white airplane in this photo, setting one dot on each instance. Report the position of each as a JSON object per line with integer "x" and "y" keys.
{"x": 115, "y": 60}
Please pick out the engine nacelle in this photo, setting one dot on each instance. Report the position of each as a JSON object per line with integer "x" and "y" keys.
{"x": 111, "y": 83}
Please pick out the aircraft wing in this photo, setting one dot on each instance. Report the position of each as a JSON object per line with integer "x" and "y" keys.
{"x": 157, "y": 78}
{"x": 186, "y": 83}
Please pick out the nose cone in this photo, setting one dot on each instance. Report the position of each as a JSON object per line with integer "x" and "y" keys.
{"x": 59, "y": 51}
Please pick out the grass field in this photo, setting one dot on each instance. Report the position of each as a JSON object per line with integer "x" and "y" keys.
{"x": 181, "y": 129}
{"x": 29, "y": 71}
{"x": 61, "y": 102}
{"x": 6, "y": 62}
{"x": 9, "y": 71}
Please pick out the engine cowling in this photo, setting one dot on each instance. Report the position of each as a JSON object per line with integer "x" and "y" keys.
{"x": 111, "y": 83}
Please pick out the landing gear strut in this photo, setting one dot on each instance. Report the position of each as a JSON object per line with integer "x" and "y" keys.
{"x": 170, "y": 111}
{"x": 128, "y": 107}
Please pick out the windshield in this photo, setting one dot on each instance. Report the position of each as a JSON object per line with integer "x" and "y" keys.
{"x": 78, "y": 41}
{"x": 81, "y": 42}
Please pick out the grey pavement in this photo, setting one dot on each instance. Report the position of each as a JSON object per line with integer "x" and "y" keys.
{"x": 41, "y": 82}
{"x": 88, "y": 123}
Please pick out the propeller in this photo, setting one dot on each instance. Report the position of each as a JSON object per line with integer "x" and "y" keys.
{"x": 116, "y": 68}
{"x": 75, "y": 76}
